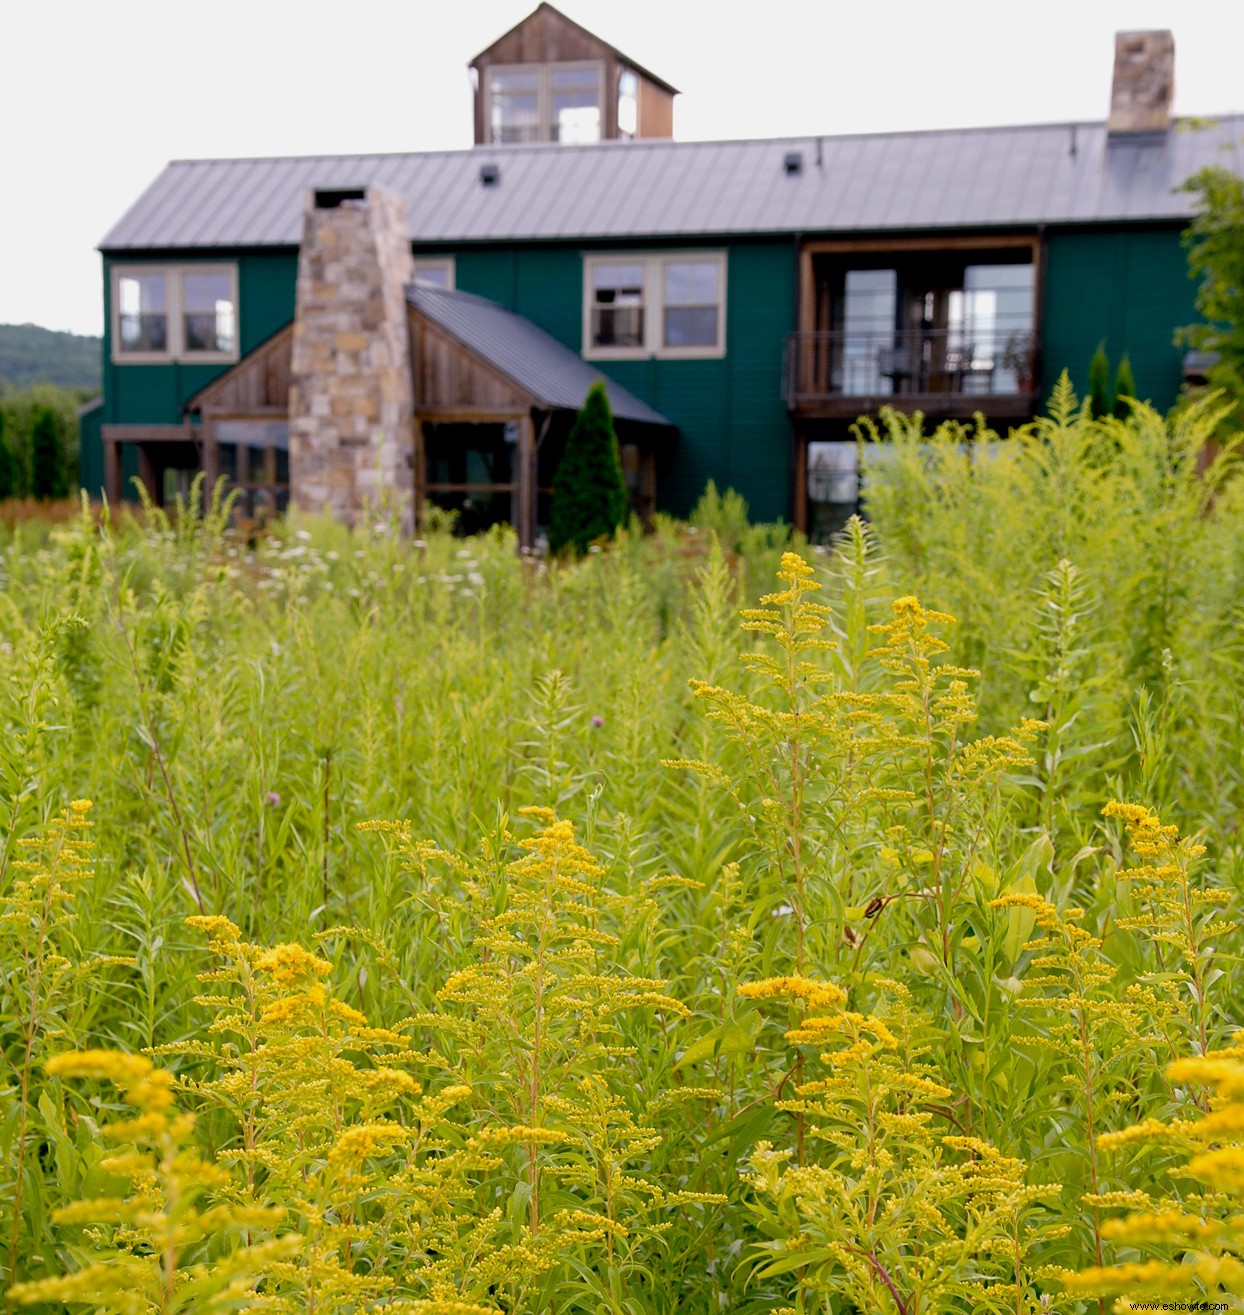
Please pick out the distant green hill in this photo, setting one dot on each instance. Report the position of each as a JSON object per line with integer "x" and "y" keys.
{"x": 31, "y": 355}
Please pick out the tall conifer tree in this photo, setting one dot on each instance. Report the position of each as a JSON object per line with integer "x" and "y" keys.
{"x": 589, "y": 492}
{"x": 45, "y": 463}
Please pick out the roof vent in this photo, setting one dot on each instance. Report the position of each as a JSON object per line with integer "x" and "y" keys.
{"x": 1144, "y": 83}
{"x": 335, "y": 198}
{"x": 490, "y": 174}
{"x": 792, "y": 162}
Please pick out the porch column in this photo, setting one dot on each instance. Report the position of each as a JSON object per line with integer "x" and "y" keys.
{"x": 525, "y": 511}
{"x": 799, "y": 513}
{"x": 112, "y": 473}
{"x": 211, "y": 458}
{"x": 419, "y": 470}
{"x": 147, "y": 473}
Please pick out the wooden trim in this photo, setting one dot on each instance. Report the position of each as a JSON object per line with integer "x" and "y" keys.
{"x": 468, "y": 415}
{"x": 951, "y": 242}
{"x": 807, "y": 291}
{"x": 255, "y": 413}
{"x": 147, "y": 433}
{"x": 933, "y": 406}
{"x": 471, "y": 488}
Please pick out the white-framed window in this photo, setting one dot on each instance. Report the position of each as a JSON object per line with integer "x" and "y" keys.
{"x": 435, "y": 271}
{"x": 670, "y": 304}
{"x": 628, "y": 105}
{"x": 174, "y": 313}
{"x": 546, "y": 103}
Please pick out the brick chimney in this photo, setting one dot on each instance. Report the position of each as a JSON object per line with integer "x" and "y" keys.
{"x": 350, "y": 396}
{"x": 1144, "y": 83}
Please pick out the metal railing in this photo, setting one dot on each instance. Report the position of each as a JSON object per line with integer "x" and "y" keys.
{"x": 144, "y": 331}
{"x": 908, "y": 363}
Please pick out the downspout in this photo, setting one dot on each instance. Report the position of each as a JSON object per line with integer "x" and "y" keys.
{"x": 1038, "y": 307}
{"x": 798, "y": 485}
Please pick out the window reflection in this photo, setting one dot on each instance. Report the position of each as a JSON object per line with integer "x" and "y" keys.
{"x": 143, "y": 316}
{"x": 208, "y": 318}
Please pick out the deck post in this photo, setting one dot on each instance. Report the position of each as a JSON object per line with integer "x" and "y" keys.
{"x": 112, "y": 473}
{"x": 526, "y": 481}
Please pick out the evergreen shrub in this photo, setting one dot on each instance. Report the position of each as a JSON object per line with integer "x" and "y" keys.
{"x": 589, "y": 493}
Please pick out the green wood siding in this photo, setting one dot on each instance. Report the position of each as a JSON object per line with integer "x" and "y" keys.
{"x": 1129, "y": 288}
{"x": 90, "y": 452}
{"x": 732, "y": 423}
{"x": 155, "y": 394}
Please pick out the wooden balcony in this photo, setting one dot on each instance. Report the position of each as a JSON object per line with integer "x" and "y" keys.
{"x": 842, "y": 374}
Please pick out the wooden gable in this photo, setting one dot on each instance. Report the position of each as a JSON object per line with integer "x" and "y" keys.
{"x": 545, "y": 36}
{"x": 258, "y": 385}
{"x": 449, "y": 377}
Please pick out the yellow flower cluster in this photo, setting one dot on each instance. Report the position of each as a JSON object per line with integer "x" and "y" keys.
{"x": 137, "y": 1244}
{"x": 1204, "y": 1236}
{"x": 518, "y": 1135}
{"x": 816, "y": 995}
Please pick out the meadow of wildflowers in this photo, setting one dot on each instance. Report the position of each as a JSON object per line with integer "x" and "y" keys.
{"x": 715, "y": 923}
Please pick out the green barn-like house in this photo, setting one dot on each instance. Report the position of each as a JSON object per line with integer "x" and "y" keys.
{"x": 328, "y": 330}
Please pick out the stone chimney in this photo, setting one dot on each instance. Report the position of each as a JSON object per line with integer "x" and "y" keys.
{"x": 350, "y": 395}
{"x": 1144, "y": 83}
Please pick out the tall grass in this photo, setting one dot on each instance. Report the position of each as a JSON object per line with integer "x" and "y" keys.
{"x": 661, "y": 978}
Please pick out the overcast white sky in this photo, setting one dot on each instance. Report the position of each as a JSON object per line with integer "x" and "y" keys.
{"x": 96, "y": 97}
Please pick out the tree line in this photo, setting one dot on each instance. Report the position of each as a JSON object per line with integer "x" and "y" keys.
{"x": 38, "y": 441}
{"x": 32, "y": 355}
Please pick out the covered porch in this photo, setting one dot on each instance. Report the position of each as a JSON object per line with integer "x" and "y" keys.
{"x": 495, "y": 399}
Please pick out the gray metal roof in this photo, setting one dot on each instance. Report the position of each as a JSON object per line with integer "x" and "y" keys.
{"x": 967, "y": 178}
{"x": 523, "y": 352}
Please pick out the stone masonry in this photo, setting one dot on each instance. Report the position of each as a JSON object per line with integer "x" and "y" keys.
{"x": 350, "y": 396}
{"x": 1144, "y": 83}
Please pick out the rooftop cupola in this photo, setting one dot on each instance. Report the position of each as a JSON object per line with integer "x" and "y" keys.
{"x": 548, "y": 79}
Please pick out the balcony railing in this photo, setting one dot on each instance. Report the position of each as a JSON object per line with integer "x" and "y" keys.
{"x": 842, "y": 364}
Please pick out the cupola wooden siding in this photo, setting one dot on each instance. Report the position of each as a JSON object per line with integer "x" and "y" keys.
{"x": 547, "y": 36}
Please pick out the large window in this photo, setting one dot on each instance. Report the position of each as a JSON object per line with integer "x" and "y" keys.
{"x": 174, "y": 313}
{"x": 435, "y": 271}
{"x": 921, "y": 320}
{"x": 672, "y": 304}
{"x": 545, "y": 103}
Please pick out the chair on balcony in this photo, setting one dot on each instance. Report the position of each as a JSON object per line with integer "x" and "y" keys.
{"x": 898, "y": 366}
{"x": 969, "y": 370}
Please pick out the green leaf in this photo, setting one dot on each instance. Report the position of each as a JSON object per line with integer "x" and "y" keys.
{"x": 734, "y": 1038}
